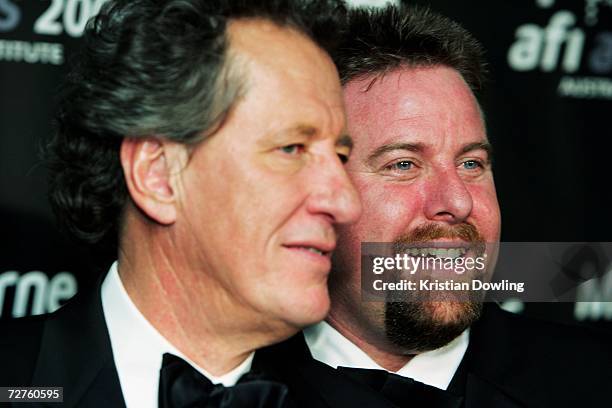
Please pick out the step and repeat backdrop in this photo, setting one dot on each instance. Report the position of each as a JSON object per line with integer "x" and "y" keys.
{"x": 548, "y": 109}
{"x": 39, "y": 268}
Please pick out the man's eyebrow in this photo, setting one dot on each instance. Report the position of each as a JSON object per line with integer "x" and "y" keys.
{"x": 486, "y": 146}
{"x": 311, "y": 131}
{"x": 305, "y": 130}
{"x": 412, "y": 147}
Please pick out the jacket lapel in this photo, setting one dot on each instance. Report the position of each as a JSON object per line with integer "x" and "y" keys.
{"x": 76, "y": 354}
{"x": 312, "y": 383}
{"x": 489, "y": 374}
{"x": 481, "y": 393}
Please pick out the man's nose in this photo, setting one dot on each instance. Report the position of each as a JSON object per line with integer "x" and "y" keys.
{"x": 332, "y": 193}
{"x": 447, "y": 198}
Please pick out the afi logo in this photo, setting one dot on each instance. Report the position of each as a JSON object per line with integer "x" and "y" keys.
{"x": 546, "y": 47}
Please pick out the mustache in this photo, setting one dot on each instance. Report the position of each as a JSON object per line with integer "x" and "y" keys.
{"x": 424, "y": 235}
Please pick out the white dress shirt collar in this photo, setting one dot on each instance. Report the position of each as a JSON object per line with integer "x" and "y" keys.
{"x": 435, "y": 368}
{"x": 138, "y": 347}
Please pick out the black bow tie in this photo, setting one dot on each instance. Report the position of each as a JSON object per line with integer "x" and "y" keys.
{"x": 403, "y": 391}
{"x": 182, "y": 386}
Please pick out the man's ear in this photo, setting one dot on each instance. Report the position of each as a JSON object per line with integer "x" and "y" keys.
{"x": 146, "y": 166}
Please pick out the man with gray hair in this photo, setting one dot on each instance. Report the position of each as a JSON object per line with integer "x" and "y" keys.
{"x": 202, "y": 144}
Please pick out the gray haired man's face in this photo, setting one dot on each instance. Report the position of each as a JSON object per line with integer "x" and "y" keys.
{"x": 263, "y": 196}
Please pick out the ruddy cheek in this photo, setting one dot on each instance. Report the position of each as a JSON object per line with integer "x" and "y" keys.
{"x": 385, "y": 219}
{"x": 486, "y": 213}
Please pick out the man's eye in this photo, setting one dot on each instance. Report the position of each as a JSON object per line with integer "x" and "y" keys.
{"x": 472, "y": 165}
{"x": 343, "y": 157}
{"x": 293, "y": 149}
{"x": 402, "y": 165}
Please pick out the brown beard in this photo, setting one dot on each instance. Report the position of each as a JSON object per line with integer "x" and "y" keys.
{"x": 419, "y": 326}
{"x": 416, "y": 327}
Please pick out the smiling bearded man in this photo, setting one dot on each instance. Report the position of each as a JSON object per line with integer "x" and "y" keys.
{"x": 422, "y": 165}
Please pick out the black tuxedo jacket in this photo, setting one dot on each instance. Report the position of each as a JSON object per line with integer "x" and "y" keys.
{"x": 511, "y": 361}
{"x": 514, "y": 361}
{"x": 71, "y": 349}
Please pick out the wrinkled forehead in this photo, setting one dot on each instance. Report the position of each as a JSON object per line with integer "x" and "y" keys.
{"x": 262, "y": 45}
{"x": 431, "y": 100}
{"x": 290, "y": 81}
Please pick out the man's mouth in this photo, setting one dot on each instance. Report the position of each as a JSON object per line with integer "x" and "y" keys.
{"x": 317, "y": 249}
{"x": 434, "y": 249}
{"x": 311, "y": 249}
{"x": 451, "y": 253}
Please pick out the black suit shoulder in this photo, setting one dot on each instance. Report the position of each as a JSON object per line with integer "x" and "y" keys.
{"x": 68, "y": 348}
{"x": 548, "y": 363}
{"x": 540, "y": 340}
{"x": 20, "y": 342}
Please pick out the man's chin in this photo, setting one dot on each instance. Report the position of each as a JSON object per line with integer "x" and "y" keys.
{"x": 312, "y": 308}
{"x": 416, "y": 327}
{"x": 447, "y": 312}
